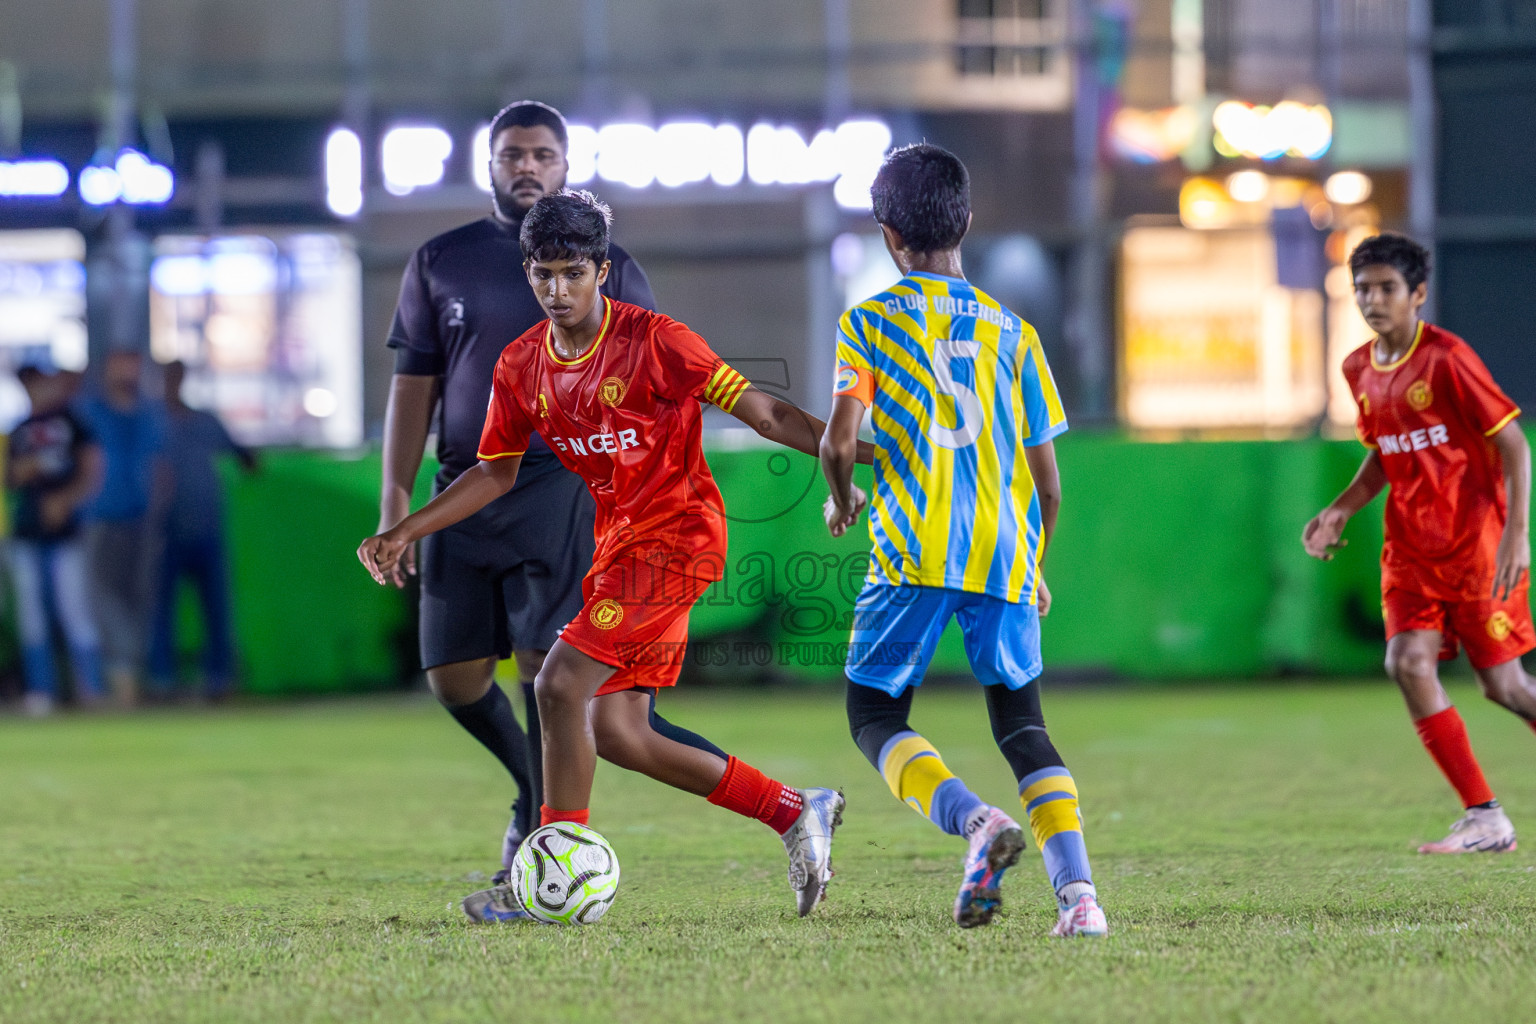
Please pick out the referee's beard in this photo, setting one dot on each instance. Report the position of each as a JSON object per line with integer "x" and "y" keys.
{"x": 507, "y": 206}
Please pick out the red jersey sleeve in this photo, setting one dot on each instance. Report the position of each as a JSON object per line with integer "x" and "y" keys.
{"x": 1352, "y": 370}
{"x": 690, "y": 368}
{"x": 1482, "y": 401}
{"x": 507, "y": 424}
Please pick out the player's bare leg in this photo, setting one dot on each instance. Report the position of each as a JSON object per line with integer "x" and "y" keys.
{"x": 621, "y": 723}
{"x": 1413, "y": 663}
{"x": 625, "y": 731}
{"x": 1510, "y": 686}
{"x": 565, "y": 686}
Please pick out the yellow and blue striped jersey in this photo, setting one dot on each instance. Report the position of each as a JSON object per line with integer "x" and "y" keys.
{"x": 958, "y": 388}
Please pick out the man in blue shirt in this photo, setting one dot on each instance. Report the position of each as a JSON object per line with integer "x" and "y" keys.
{"x": 121, "y": 529}
{"x": 194, "y": 541}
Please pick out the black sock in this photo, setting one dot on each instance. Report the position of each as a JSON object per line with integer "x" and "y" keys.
{"x": 491, "y": 721}
{"x": 528, "y": 809}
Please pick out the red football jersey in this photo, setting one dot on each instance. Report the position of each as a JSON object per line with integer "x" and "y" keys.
{"x": 1430, "y": 414}
{"x": 625, "y": 417}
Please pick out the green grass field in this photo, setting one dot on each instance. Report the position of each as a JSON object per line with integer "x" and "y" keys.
{"x": 1253, "y": 846}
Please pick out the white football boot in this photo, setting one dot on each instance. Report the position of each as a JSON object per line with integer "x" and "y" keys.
{"x": 809, "y": 845}
{"x": 1083, "y": 919}
{"x": 1480, "y": 830}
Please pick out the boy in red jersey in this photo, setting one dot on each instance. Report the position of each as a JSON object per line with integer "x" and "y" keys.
{"x": 615, "y": 390}
{"x": 1456, "y": 563}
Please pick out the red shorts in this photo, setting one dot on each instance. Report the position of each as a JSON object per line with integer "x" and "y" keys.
{"x": 635, "y": 619}
{"x": 1493, "y": 632}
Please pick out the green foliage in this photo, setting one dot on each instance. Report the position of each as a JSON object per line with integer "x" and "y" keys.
{"x": 1253, "y": 850}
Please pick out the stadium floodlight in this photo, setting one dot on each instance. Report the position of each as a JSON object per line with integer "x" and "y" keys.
{"x": 861, "y": 144}
{"x": 413, "y": 156}
{"x": 320, "y": 403}
{"x": 1266, "y": 134}
{"x": 241, "y": 273}
{"x": 46, "y": 178}
{"x": 581, "y": 153}
{"x": 627, "y": 154}
{"x": 480, "y": 158}
{"x": 179, "y": 275}
{"x": 684, "y": 153}
{"x": 100, "y": 186}
{"x": 144, "y": 182}
{"x": 1248, "y": 186}
{"x": 780, "y": 156}
{"x": 728, "y": 159}
{"x": 344, "y": 173}
{"x": 1347, "y": 188}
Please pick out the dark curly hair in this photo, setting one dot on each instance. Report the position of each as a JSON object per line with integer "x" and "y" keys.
{"x": 923, "y": 193}
{"x": 1399, "y": 252}
{"x": 566, "y": 225}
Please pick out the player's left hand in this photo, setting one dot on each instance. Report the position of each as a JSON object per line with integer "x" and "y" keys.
{"x": 839, "y": 519}
{"x": 381, "y": 553}
{"x": 1043, "y": 598}
{"x": 1511, "y": 563}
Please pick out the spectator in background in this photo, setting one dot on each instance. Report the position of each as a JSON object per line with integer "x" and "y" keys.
{"x": 122, "y": 525}
{"x": 194, "y": 541}
{"x": 54, "y": 469}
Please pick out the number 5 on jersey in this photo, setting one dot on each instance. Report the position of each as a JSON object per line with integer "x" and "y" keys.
{"x": 967, "y": 413}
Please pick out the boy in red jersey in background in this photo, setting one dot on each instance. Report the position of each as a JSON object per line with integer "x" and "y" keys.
{"x": 615, "y": 390}
{"x": 1456, "y": 563}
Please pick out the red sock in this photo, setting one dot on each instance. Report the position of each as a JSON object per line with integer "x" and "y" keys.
{"x": 749, "y": 792}
{"x": 1445, "y": 737}
{"x": 549, "y": 816}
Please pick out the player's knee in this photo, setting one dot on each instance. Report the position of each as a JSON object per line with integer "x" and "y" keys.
{"x": 553, "y": 687}
{"x": 454, "y": 691}
{"x": 1410, "y": 667}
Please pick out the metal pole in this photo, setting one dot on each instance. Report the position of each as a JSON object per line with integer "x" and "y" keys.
{"x": 1422, "y": 118}
{"x": 839, "y": 89}
{"x": 1087, "y": 333}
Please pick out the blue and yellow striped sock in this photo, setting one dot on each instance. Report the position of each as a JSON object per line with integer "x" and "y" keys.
{"x": 1049, "y": 797}
{"x": 919, "y": 778}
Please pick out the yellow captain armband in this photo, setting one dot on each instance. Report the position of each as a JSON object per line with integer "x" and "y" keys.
{"x": 725, "y": 388}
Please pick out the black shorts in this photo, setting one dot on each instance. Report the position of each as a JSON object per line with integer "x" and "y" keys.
{"x": 509, "y": 577}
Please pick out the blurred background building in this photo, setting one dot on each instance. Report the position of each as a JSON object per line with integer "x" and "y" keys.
{"x": 1166, "y": 188}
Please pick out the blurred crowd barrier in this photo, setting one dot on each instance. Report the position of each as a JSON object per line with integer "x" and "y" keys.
{"x": 1171, "y": 560}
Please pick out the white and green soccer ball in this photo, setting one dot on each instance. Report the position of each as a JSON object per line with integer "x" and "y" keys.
{"x": 565, "y": 874}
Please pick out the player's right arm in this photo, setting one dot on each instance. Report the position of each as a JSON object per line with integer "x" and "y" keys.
{"x": 472, "y": 491}
{"x": 1324, "y": 534}
{"x": 407, "y": 421}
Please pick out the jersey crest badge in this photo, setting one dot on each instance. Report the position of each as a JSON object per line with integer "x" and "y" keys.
{"x": 608, "y": 613}
{"x": 455, "y": 312}
{"x": 611, "y": 391}
{"x": 543, "y": 405}
{"x": 1420, "y": 397}
{"x": 1500, "y": 625}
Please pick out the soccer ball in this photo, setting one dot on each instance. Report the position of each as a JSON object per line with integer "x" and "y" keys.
{"x": 565, "y": 874}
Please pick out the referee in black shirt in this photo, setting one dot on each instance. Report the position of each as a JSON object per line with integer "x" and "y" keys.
{"x": 504, "y": 581}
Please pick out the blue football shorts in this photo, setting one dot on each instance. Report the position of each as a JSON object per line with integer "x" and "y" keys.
{"x": 897, "y": 628}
